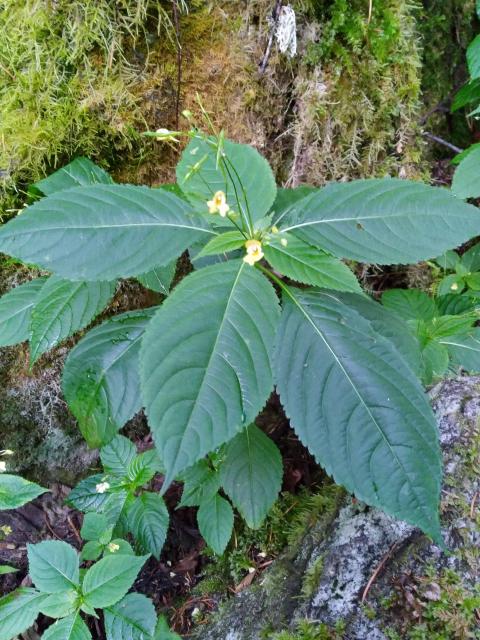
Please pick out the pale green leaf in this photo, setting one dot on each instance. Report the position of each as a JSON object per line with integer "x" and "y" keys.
{"x": 215, "y": 521}
{"x": 60, "y": 605}
{"x": 117, "y": 455}
{"x": 435, "y": 357}
{"x": 62, "y": 308}
{"x": 16, "y": 491}
{"x": 6, "y": 569}
{"x": 91, "y": 550}
{"x": 148, "y": 521}
{"x": 386, "y": 221}
{"x": 410, "y": 304}
{"x": 205, "y": 361}
{"x": 79, "y": 172}
{"x": 448, "y": 260}
{"x": 102, "y": 232}
{"x": 444, "y": 326}
{"x": 251, "y": 474}
{"x": 133, "y": 618}
{"x": 110, "y": 578}
{"x": 18, "y": 611}
{"x": 71, "y": 628}
{"x": 53, "y": 566}
{"x": 223, "y": 243}
{"x": 95, "y": 526}
{"x": 466, "y": 182}
{"x": 159, "y": 279}
{"x": 381, "y": 440}
{"x": 248, "y": 176}
{"x": 304, "y": 263}
{"x": 100, "y": 377}
{"x": 451, "y": 284}
{"x": 15, "y": 311}
{"x": 464, "y": 350}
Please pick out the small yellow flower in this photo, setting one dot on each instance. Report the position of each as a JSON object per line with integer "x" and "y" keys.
{"x": 113, "y": 547}
{"x": 284, "y": 242}
{"x": 218, "y": 204}
{"x": 3, "y": 467}
{"x": 275, "y": 229}
{"x": 6, "y": 530}
{"x": 454, "y": 286}
{"x": 254, "y": 252}
{"x": 102, "y": 487}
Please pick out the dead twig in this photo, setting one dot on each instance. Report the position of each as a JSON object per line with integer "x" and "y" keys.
{"x": 473, "y": 505}
{"x": 275, "y": 15}
{"x": 441, "y": 141}
{"x": 379, "y": 568}
{"x": 176, "y": 21}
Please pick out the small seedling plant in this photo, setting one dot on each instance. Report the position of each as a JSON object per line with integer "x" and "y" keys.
{"x": 270, "y": 304}
{"x": 64, "y": 591}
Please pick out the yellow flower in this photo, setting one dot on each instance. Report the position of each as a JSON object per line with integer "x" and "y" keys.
{"x": 6, "y": 530}
{"x": 218, "y": 204}
{"x": 454, "y": 286}
{"x": 113, "y": 547}
{"x": 254, "y": 252}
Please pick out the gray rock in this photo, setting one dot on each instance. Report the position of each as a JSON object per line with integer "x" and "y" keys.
{"x": 342, "y": 555}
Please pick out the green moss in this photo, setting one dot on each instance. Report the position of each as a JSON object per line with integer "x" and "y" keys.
{"x": 307, "y": 630}
{"x": 312, "y": 578}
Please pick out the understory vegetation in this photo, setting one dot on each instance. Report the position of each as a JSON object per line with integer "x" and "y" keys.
{"x": 234, "y": 256}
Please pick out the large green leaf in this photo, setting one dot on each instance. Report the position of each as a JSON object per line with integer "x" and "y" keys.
{"x": 109, "y": 579}
{"x": 148, "y": 520}
{"x": 465, "y": 350}
{"x": 100, "y": 378}
{"x": 96, "y": 527}
{"x": 159, "y": 279}
{"x": 304, "y": 263}
{"x": 358, "y": 407}
{"x": 205, "y": 361}
{"x": 133, "y": 618}
{"x": 410, "y": 304}
{"x": 287, "y": 200}
{"x": 53, "y": 566}
{"x": 85, "y": 496}
{"x": 162, "y": 631}
{"x": 62, "y": 308}
{"x": 468, "y": 94}
{"x": 251, "y": 474}
{"x": 215, "y": 521}
{"x": 386, "y": 221}
{"x": 15, "y": 311}
{"x": 16, "y": 491}
{"x": 466, "y": 183}
{"x": 201, "y": 482}
{"x": 61, "y": 604}
{"x": 117, "y": 455}
{"x": 71, "y": 628}
{"x": 247, "y": 177}
{"x": 18, "y": 611}
{"x": 79, "y": 172}
{"x": 102, "y": 232}
{"x": 473, "y": 58}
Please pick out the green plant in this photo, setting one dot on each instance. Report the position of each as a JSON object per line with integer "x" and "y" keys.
{"x": 14, "y": 490}
{"x": 63, "y": 591}
{"x": 463, "y": 272}
{"x": 445, "y": 327}
{"x": 204, "y": 363}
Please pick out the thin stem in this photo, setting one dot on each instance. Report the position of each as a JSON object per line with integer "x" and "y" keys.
{"x": 277, "y": 280}
{"x": 244, "y": 194}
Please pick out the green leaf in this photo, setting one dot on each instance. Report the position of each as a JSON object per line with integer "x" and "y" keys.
{"x": 251, "y": 474}
{"x": 205, "y": 361}
{"x": 453, "y": 305}
{"x": 448, "y": 260}
{"x": 95, "y": 526}
{"x": 159, "y": 279}
{"x": 15, "y": 311}
{"x": 100, "y": 378}
{"x": 117, "y": 455}
{"x": 103, "y": 232}
{"x": 304, "y": 263}
{"x": 288, "y": 200}
{"x": 473, "y": 58}
{"x": 460, "y": 156}
{"x": 71, "y": 628}
{"x": 18, "y": 611}
{"x": 16, "y": 491}
{"x": 201, "y": 483}
{"x": 124, "y": 548}
{"x": 389, "y": 325}
{"x": 469, "y": 93}
{"x": 381, "y": 440}
{"x": 215, "y": 521}
{"x": 466, "y": 183}
{"x": 435, "y": 356}
{"x": 148, "y": 521}
{"x": 53, "y": 566}
{"x": 85, "y": 496}
{"x": 223, "y": 243}
{"x": 60, "y": 605}
{"x": 133, "y": 618}
{"x": 471, "y": 258}
{"x": 162, "y": 631}
{"x": 80, "y": 172}
{"x": 6, "y": 569}
{"x": 451, "y": 284}
{"x": 248, "y": 174}
{"x": 464, "y": 350}
{"x": 386, "y": 221}
{"x": 91, "y": 550}
{"x": 445, "y": 326}
{"x": 62, "y": 308}
{"x": 109, "y": 579}
{"x": 410, "y": 304}
{"x": 143, "y": 467}
{"x": 473, "y": 280}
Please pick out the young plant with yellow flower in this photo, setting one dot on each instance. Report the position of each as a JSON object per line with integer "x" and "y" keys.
{"x": 270, "y": 305}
